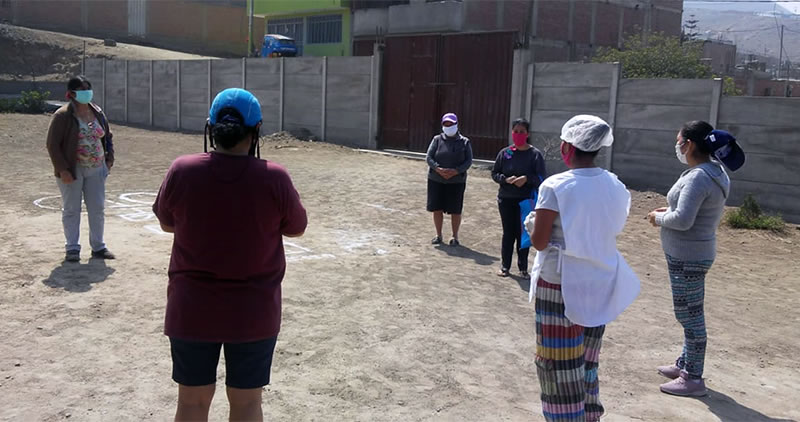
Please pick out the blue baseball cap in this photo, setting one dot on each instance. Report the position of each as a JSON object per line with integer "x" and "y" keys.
{"x": 724, "y": 148}
{"x": 240, "y": 100}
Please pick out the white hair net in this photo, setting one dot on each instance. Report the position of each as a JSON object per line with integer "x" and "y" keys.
{"x": 587, "y": 133}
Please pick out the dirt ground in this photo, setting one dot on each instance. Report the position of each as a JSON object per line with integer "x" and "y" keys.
{"x": 378, "y": 325}
{"x": 56, "y": 56}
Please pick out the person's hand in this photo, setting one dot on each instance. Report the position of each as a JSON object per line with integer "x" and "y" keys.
{"x": 511, "y": 180}
{"x": 109, "y": 164}
{"x": 66, "y": 176}
{"x": 451, "y": 173}
{"x": 520, "y": 181}
{"x": 652, "y": 218}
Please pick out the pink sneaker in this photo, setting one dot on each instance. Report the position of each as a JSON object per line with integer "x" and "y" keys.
{"x": 685, "y": 387}
{"x": 669, "y": 371}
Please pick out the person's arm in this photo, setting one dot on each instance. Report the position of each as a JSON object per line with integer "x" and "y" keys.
{"x": 692, "y": 195}
{"x": 161, "y": 206}
{"x": 55, "y": 136}
{"x": 468, "y": 161}
{"x": 543, "y": 228}
{"x": 294, "y": 219}
{"x": 497, "y": 169}
{"x": 431, "y": 159}
{"x": 539, "y": 171}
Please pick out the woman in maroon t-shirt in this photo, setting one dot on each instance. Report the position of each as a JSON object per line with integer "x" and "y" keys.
{"x": 229, "y": 211}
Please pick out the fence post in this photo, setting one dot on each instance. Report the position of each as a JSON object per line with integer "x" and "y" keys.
{"x": 103, "y": 94}
{"x": 324, "y": 95}
{"x": 208, "y": 83}
{"x": 612, "y": 110}
{"x": 529, "y": 91}
{"x": 178, "y": 76}
{"x": 150, "y": 119}
{"x": 374, "y": 94}
{"x": 127, "y": 87}
{"x": 716, "y": 97}
{"x": 244, "y": 72}
{"x": 280, "y": 97}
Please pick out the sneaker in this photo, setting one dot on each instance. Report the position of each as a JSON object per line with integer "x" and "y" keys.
{"x": 436, "y": 240}
{"x": 73, "y": 256}
{"x": 685, "y": 387}
{"x": 103, "y": 254}
{"x": 669, "y": 371}
{"x": 454, "y": 242}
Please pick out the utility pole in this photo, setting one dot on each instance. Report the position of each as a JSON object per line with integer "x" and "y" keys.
{"x": 250, "y": 28}
{"x": 780, "y": 55}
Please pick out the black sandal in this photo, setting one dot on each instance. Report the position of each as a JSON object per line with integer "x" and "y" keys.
{"x": 436, "y": 240}
{"x": 503, "y": 272}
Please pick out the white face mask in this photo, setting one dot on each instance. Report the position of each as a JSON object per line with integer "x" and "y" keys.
{"x": 450, "y": 131}
{"x": 681, "y": 156}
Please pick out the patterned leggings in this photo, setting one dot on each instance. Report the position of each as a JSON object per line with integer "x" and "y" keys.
{"x": 566, "y": 360}
{"x": 688, "y": 280}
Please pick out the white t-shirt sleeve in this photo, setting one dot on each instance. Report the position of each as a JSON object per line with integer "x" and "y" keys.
{"x": 547, "y": 198}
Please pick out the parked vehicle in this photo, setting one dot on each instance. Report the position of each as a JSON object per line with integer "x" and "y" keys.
{"x": 276, "y": 45}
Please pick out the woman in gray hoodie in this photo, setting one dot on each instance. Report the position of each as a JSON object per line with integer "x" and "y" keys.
{"x": 688, "y": 237}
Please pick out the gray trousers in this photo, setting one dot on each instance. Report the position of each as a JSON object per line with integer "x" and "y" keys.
{"x": 89, "y": 186}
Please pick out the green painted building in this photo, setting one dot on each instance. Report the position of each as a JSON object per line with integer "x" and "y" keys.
{"x": 319, "y": 27}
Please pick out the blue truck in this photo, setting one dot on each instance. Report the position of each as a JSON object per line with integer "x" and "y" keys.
{"x": 278, "y": 46}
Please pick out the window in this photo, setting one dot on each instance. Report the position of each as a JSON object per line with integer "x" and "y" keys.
{"x": 290, "y": 27}
{"x": 325, "y": 29}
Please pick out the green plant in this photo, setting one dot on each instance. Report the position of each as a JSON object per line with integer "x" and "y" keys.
{"x": 33, "y": 101}
{"x": 8, "y": 105}
{"x": 750, "y": 216}
{"x": 657, "y": 56}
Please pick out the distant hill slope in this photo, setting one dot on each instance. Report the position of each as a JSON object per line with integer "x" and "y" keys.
{"x": 751, "y": 33}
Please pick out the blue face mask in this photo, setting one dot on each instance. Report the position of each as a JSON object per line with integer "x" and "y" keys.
{"x": 84, "y": 96}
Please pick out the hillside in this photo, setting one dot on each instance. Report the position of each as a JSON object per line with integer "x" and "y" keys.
{"x": 55, "y": 56}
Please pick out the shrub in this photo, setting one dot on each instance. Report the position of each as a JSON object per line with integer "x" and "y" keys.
{"x": 749, "y": 216}
{"x": 8, "y": 105}
{"x": 33, "y": 102}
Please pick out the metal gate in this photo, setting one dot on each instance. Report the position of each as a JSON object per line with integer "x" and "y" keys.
{"x": 427, "y": 76}
{"x": 137, "y": 18}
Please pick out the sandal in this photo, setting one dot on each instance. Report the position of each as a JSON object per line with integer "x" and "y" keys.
{"x": 503, "y": 272}
{"x": 524, "y": 274}
{"x": 436, "y": 240}
{"x": 454, "y": 242}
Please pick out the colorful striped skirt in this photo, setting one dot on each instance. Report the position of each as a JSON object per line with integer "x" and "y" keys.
{"x": 566, "y": 360}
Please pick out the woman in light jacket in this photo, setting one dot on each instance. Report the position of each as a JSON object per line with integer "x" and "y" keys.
{"x": 688, "y": 237}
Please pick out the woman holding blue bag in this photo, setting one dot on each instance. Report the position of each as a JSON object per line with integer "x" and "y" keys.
{"x": 518, "y": 169}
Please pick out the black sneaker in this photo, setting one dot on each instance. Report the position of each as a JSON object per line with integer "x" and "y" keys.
{"x": 436, "y": 240}
{"x": 454, "y": 242}
{"x": 73, "y": 256}
{"x": 103, "y": 254}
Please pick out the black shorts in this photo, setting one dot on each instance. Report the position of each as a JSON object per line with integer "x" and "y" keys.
{"x": 447, "y": 197}
{"x": 247, "y": 365}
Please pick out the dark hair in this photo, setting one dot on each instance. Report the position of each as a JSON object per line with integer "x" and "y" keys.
{"x": 697, "y": 131}
{"x": 76, "y": 83}
{"x": 230, "y": 128}
{"x": 585, "y": 155}
{"x": 521, "y": 122}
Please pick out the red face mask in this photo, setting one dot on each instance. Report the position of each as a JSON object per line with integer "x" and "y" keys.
{"x": 519, "y": 139}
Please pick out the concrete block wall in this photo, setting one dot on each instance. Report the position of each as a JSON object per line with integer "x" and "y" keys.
{"x": 332, "y": 99}
{"x": 563, "y": 90}
{"x": 650, "y": 112}
{"x": 303, "y": 95}
{"x": 347, "y": 105}
{"x": 769, "y": 131}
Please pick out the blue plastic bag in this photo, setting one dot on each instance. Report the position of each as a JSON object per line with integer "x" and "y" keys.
{"x": 525, "y": 208}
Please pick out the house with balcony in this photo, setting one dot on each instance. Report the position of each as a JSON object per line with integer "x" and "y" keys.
{"x": 319, "y": 27}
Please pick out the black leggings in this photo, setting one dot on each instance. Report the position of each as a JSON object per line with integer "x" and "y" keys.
{"x": 512, "y": 232}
